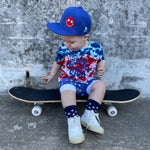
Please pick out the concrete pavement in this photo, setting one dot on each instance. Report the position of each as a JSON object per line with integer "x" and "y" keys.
{"x": 19, "y": 130}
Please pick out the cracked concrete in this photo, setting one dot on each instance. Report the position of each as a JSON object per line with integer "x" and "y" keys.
{"x": 129, "y": 130}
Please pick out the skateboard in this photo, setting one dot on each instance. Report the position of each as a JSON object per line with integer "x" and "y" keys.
{"x": 39, "y": 97}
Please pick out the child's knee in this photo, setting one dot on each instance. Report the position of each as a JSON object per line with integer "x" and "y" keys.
{"x": 99, "y": 85}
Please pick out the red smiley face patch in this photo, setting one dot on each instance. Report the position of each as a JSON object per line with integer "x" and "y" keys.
{"x": 70, "y": 22}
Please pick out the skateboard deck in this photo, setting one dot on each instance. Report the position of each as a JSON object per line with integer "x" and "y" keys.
{"x": 37, "y": 96}
{"x": 30, "y": 95}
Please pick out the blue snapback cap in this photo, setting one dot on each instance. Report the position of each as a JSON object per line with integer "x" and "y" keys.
{"x": 75, "y": 21}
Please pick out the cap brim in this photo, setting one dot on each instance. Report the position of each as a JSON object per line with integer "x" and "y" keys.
{"x": 57, "y": 28}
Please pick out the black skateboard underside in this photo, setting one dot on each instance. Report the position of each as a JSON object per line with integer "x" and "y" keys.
{"x": 29, "y": 94}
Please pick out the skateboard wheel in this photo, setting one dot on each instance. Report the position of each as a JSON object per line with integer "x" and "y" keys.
{"x": 36, "y": 111}
{"x": 112, "y": 111}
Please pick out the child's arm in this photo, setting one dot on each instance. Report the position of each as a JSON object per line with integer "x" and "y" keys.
{"x": 101, "y": 68}
{"x": 55, "y": 68}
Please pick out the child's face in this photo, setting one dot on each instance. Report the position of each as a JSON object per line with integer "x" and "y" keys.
{"x": 75, "y": 43}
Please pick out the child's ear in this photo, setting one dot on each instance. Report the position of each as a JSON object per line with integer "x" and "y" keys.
{"x": 86, "y": 36}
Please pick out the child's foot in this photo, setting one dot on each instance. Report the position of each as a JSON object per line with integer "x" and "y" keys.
{"x": 75, "y": 133}
{"x": 91, "y": 121}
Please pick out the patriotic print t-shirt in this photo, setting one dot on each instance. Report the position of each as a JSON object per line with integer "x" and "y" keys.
{"x": 79, "y": 65}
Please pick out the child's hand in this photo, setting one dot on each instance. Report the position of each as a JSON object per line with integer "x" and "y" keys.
{"x": 100, "y": 69}
{"x": 46, "y": 78}
{"x": 100, "y": 72}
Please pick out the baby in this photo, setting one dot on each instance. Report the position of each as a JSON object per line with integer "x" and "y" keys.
{"x": 79, "y": 60}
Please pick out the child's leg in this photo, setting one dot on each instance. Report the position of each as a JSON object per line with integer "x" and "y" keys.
{"x": 68, "y": 97}
{"x": 98, "y": 90}
{"x": 90, "y": 117}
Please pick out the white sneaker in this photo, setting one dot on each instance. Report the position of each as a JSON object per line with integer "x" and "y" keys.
{"x": 75, "y": 133}
{"x": 91, "y": 121}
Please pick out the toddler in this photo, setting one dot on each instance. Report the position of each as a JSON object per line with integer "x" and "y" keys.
{"x": 78, "y": 60}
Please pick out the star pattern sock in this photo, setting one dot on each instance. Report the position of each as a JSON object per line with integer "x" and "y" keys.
{"x": 92, "y": 105}
{"x": 71, "y": 111}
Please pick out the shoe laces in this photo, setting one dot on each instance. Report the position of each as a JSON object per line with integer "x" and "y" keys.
{"x": 74, "y": 124}
{"x": 93, "y": 118}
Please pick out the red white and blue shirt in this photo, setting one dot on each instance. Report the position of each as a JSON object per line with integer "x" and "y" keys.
{"x": 79, "y": 65}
